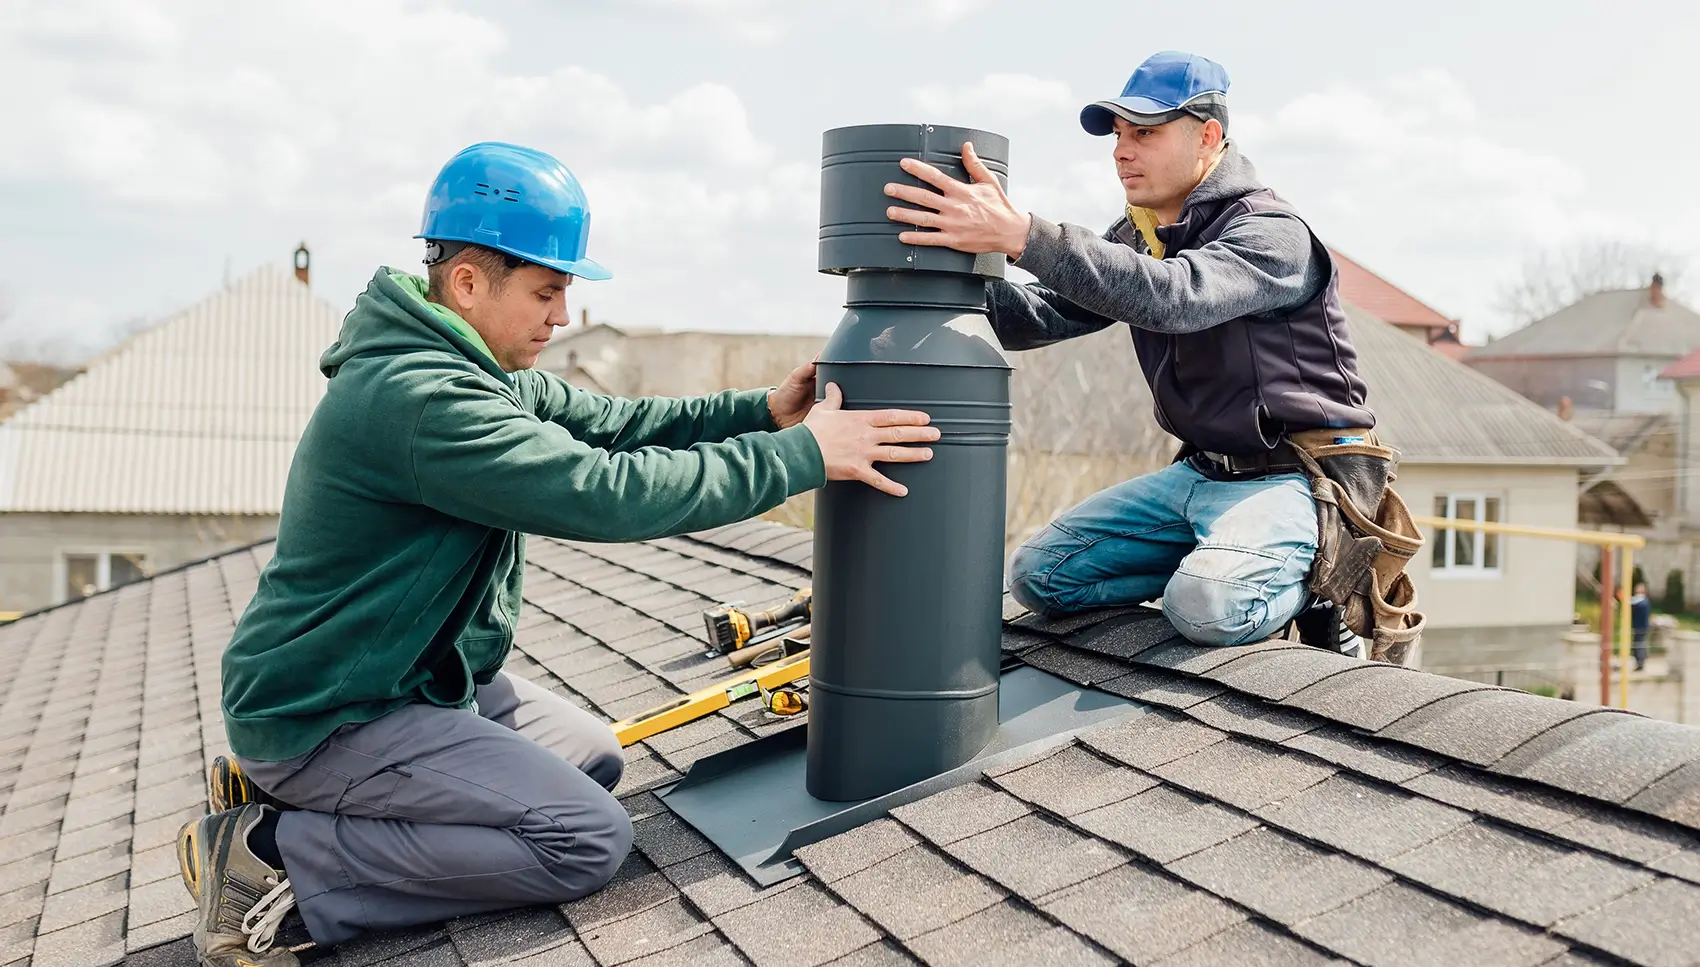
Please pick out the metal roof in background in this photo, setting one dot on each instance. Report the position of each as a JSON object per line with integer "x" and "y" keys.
{"x": 200, "y": 414}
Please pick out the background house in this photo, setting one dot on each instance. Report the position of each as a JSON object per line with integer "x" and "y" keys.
{"x": 1603, "y": 363}
{"x": 1389, "y": 303}
{"x": 626, "y": 361}
{"x": 1669, "y": 469}
{"x": 169, "y": 448}
{"x": 1604, "y": 352}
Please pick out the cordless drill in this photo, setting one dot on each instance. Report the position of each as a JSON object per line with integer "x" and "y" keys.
{"x": 730, "y": 628}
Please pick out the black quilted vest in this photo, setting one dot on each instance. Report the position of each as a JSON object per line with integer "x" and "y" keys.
{"x": 1237, "y": 387}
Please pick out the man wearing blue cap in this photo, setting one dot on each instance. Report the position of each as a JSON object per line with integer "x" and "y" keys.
{"x": 1234, "y": 309}
{"x": 386, "y": 771}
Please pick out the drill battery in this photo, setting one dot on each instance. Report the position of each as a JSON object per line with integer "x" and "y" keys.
{"x": 731, "y": 628}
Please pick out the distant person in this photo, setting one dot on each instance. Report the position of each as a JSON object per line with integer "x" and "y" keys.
{"x": 1234, "y": 308}
{"x": 1640, "y": 623}
{"x": 386, "y": 771}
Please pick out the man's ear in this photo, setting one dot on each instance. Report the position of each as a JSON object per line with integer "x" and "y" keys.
{"x": 463, "y": 283}
{"x": 1211, "y": 135}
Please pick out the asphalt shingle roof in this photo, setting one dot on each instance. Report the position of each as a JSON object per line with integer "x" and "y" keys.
{"x": 1270, "y": 805}
{"x": 1614, "y": 323}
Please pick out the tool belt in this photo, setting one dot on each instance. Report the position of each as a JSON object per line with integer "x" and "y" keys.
{"x": 1365, "y": 537}
{"x": 1283, "y": 458}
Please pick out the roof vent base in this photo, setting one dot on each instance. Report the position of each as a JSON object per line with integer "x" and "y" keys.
{"x": 752, "y": 801}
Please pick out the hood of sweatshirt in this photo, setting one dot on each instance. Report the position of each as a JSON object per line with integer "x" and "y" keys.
{"x": 1229, "y": 176}
{"x": 393, "y": 317}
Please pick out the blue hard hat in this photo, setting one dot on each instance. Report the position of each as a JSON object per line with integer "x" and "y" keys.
{"x": 516, "y": 200}
{"x": 1169, "y": 84}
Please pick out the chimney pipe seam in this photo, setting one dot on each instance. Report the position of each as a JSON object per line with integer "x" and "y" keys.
{"x": 901, "y": 694}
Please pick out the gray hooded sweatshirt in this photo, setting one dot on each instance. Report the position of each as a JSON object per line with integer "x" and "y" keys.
{"x": 1238, "y": 328}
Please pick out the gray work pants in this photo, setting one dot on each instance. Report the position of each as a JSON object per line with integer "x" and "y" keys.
{"x": 431, "y": 813}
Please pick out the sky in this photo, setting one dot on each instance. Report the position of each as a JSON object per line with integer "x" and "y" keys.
{"x": 153, "y": 150}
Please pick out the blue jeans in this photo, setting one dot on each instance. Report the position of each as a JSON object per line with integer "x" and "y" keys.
{"x": 1229, "y": 559}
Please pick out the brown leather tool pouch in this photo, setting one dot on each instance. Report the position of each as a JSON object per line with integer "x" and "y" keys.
{"x": 1365, "y": 537}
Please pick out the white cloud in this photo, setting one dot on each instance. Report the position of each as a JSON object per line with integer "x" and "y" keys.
{"x": 940, "y": 11}
{"x": 758, "y": 22}
{"x": 1083, "y": 192}
{"x": 765, "y": 22}
{"x": 334, "y": 118}
{"x": 996, "y": 97}
{"x": 1407, "y": 171}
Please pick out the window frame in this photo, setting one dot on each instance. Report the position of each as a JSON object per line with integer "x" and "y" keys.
{"x": 103, "y": 567}
{"x": 1446, "y": 536}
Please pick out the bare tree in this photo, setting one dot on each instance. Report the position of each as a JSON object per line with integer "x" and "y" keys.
{"x": 1559, "y": 276}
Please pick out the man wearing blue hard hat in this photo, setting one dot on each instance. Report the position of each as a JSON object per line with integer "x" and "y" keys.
{"x": 1234, "y": 310}
{"x": 385, "y": 771}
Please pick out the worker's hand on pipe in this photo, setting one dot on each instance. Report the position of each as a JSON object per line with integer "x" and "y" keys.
{"x": 791, "y": 400}
{"x": 973, "y": 216}
{"x": 852, "y": 441}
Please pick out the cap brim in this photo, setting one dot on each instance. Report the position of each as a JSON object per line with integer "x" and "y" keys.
{"x": 1099, "y": 117}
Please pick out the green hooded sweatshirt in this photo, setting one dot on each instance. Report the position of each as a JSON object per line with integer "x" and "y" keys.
{"x": 396, "y": 575}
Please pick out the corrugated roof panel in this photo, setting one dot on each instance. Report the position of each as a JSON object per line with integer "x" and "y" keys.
{"x": 199, "y": 414}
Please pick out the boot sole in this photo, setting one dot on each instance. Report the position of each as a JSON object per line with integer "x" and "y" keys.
{"x": 227, "y": 785}
{"x": 188, "y": 857}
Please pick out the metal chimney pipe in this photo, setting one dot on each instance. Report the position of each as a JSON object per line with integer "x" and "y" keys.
{"x": 905, "y": 644}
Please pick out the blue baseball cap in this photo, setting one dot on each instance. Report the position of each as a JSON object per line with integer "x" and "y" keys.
{"x": 1168, "y": 85}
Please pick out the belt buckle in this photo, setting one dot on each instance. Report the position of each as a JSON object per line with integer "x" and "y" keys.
{"x": 1237, "y": 466}
{"x": 1225, "y": 463}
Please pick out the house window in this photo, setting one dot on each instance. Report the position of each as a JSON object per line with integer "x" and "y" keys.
{"x": 92, "y": 572}
{"x": 1460, "y": 551}
{"x": 1651, "y": 381}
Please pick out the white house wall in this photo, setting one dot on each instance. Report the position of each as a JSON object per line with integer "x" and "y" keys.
{"x": 32, "y": 545}
{"x": 1639, "y": 390}
{"x": 1513, "y": 618}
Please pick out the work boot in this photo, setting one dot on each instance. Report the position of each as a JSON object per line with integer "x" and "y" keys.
{"x": 228, "y": 787}
{"x": 242, "y": 898}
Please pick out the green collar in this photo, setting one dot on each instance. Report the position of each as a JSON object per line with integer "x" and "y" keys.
{"x": 417, "y": 287}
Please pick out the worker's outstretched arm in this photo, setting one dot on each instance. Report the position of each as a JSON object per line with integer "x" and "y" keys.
{"x": 476, "y": 456}
{"x": 1034, "y": 315}
{"x": 1262, "y": 263}
{"x": 624, "y": 425}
